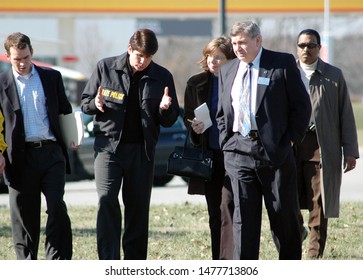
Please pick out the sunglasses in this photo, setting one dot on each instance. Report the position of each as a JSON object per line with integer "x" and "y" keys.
{"x": 309, "y": 45}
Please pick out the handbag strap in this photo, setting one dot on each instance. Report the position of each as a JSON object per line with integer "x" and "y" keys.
{"x": 187, "y": 140}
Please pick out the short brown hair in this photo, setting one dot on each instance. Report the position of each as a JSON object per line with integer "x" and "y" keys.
{"x": 17, "y": 40}
{"x": 223, "y": 43}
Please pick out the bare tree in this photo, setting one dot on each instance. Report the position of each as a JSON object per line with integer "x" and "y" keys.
{"x": 91, "y": 47}
{"x": 180, "y": 56}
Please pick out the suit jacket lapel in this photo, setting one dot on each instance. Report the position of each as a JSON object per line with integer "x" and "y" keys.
{"x": 265, "y": 71}
{"x": 46, "y": 85}
{"x": 203, "y": 86}
{"x": 11, "y": 91}
{"x": 230, "y": 76}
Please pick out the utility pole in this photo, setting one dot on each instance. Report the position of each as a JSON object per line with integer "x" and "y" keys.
{"x": 222, "y": 17}
{"x": 326, "y": 34}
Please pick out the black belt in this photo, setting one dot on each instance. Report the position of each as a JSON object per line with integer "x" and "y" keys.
{"x": 253, "y": 135}
{"x": 38, "y": 144}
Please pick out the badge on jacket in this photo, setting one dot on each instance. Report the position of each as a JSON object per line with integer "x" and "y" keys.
{"x": 113, "y": 96}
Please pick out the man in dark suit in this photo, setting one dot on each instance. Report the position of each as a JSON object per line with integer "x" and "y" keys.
{"x": 31, "y": 100}
{"x": 263, "y": 109}
{"x": 2, "y": 145}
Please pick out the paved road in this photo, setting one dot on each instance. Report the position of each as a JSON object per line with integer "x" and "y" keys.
{"x": 84, "y": 193}
{"x": 174, "y": 192}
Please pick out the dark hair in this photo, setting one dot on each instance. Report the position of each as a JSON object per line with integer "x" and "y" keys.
{"x": 311, "y": 32}
{"x": 223, "y": 43}
{"x": 144, "y": 41}
{"x": 17, "y": 40}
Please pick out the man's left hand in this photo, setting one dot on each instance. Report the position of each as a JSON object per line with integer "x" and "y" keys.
{"x": 349, "y": 163}
{"x": 166, "y": 100}
{"x": 74, "y": 147}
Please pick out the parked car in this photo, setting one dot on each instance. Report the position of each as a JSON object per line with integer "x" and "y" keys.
{"x": 168, "y": 139}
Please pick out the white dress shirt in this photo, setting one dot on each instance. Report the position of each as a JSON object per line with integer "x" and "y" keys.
{"x": 236, "y": 91}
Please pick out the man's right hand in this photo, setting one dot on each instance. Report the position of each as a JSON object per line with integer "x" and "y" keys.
{"x": 2, "y": 164}
{"x": 99, "y": 100}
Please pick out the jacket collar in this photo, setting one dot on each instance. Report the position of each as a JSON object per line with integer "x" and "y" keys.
{"x": 121, "y": 64}
{"x": 321, "y": 67}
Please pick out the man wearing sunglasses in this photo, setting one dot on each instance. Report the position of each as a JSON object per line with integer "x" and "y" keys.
{"x": 331, "y": 138}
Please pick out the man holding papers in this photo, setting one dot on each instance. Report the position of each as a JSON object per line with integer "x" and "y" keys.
{"x": 2, "y": 144}
{"x": 31, "y": 100}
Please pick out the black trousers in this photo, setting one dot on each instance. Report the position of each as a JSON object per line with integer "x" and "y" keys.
{"x": 254, "y": 178}
{"x": 129, "y": 167}
{"x": 44, "y": 173}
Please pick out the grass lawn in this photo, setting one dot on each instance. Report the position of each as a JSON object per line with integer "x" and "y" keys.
{"x": 180, "y": 232}
{"x": 358, "y": 114}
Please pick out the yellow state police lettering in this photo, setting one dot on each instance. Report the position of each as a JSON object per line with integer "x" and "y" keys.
{"x": 117, "y": 95}
{"x": 105, "y": 92}
{"x": 113, "y": 95}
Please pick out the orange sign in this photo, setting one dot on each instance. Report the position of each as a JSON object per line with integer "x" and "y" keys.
{"x": 185, "y": 6}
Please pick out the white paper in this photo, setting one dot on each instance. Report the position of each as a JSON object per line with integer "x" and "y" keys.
{"x": 202, "y": 114}
{"x": 72, "y": 128}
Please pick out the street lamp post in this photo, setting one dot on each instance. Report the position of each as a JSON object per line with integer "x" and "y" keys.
{"x": 326, "y": 34}
{"x": 222, "y": 17}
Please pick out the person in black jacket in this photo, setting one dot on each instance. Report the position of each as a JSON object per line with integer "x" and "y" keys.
{"x": 130, "y": 96}
{"x": 31, "y": 100}
{"x": 2, "y": 145}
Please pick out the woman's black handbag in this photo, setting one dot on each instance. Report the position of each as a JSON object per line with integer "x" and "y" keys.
{"x": 190, "y": 161}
